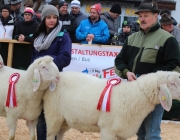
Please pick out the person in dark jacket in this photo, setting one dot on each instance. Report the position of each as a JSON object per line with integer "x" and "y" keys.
{"x": 25, "y": 28}
{"x": 29, "y": 3}
{"x": 135, "y": 27}
{"x": 15, "y": 12}
{"x": 150, "y": 50}
{"x": 68, "y": 21}
{"x": 75, "y": 11}
{"x": 50, "y": 40}
{"x": 23, "y": 33}
{"x": 119, "y": 39}
{"x": 111, "y": 20}
{"x": 169, "y": 13}
{"x": 79, "y": 16}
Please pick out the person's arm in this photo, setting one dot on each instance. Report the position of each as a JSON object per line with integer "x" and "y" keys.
{"x": 80, "y": 34}
{"x": 63, "y": 58}
{"x": 171, "y": 56}
{"x": 16, "y": 32}
{"x": 177, "y": 35}
{"x": 111, "y": 32}
{"x": 121, "y": 61}
{"x": 103, "y": 38}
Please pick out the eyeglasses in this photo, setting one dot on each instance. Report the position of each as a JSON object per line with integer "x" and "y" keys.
{"x": 27, "y": 14}
{"x": 93, "y": 13}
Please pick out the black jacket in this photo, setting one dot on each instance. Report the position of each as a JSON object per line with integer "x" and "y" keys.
{"x": 69, "y": 24}
{"x": 26, "y": 28}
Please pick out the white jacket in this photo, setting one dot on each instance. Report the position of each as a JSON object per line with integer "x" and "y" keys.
{"x": 6, "y": 32}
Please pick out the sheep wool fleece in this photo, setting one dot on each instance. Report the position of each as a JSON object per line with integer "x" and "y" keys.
{"x": 148, "y": 52}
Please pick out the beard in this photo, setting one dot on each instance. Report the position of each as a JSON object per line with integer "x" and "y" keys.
{"x": 94, "y": 18}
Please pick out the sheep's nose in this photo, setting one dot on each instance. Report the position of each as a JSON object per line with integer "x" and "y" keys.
{"x": 57, "y": 78}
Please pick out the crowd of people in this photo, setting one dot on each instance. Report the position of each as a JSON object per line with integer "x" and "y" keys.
{"x": 149, "y": 44}
{"x": 81, "y": 28}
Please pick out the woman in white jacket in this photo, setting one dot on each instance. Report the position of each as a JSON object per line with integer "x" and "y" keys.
{"x": 6, "y": 30}
{"x": 6, "y": 23}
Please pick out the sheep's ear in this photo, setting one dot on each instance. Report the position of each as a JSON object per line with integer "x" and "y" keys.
{"x": 36, "y": 80}
{"x": 165, "y": 97}
{"x": 52, "y": 86}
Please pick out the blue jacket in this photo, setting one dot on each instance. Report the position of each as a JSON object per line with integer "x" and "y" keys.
{"x": 60, "y": 50}
{"x": 99, "y": 29}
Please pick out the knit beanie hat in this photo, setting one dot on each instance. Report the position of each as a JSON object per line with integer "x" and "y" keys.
{"x": 125, "y": 23}
{"x": 62, "y": 3}
{"x": 29, "y": 10}
{"x": 15, "y": 2}
{"x": 49, "y": 10}
{"x": 97, "y": 7}
{"x": 28, "y": 3}
{"x": 75, "y": 3}
{"x": 116, "y": 8}
{"x": 5, "y": 7}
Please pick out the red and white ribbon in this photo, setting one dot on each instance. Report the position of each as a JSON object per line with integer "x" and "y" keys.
{"x": 104, "y": 100}
{"x": 11, "y": 96}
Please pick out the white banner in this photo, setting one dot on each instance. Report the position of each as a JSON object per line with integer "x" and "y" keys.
{"x": 93, "y": 59}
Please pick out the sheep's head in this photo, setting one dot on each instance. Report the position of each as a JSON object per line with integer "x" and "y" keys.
{"x": 1, "y": 62}
{"x": 169, "y": 85}
{"x": 46, "y": 71}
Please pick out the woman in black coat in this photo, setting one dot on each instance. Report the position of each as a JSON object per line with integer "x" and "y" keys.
{"x": 23, "y": 33}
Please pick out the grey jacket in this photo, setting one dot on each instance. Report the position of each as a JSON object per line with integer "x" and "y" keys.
{"x": 176, "y": 34}
{"x": 112, "y": 24}
{"x": 79, "y": 17}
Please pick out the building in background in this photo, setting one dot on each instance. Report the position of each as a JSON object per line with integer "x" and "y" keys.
{"x": 128, "y": 7}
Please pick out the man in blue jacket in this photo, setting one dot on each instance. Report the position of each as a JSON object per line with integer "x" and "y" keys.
{"x": 93, "y": 30}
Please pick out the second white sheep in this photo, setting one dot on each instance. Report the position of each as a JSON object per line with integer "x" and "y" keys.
{"x": 74, "y": 104}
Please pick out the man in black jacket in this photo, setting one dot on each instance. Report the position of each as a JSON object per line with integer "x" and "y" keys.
{"x": 68, "y": 21}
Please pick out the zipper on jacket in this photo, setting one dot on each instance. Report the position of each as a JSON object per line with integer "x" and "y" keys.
{"x": 135, "y": 60}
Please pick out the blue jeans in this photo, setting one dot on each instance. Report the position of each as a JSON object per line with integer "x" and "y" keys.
{"x": 41, "y": 127}
{"x": 150, "y": 127}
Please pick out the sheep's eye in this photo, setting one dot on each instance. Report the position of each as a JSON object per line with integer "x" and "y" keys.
{"x": 45, "y": 68}
{"x": 179, "y": 76}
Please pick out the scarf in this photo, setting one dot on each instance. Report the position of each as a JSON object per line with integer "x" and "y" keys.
{"x": 43, "y": 42}
{"x": 5, "y": 21}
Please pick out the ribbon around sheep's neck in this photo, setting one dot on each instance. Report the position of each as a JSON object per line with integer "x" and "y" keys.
{"x": 11, "y": 96}
{"x": 104, "y": 100}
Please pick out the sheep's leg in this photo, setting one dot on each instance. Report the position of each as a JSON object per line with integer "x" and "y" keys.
{"x": 32, "y": 125}
{"x": 61, "y": 133}
{"x": 11, "y": 123}
{"x": 52, "y": 129}
{"x": 106, "y": 135}
{"x": 118, "y": 138}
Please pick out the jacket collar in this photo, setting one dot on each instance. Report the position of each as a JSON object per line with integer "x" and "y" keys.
{"x": 153, "y": 28}
{"x": 95, "y": 22}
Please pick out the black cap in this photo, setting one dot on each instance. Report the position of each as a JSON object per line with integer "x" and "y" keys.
{"x": 62, "y": 3}
{"x": 116, "y": 8}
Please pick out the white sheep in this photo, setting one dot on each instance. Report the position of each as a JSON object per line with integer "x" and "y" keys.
{"x": 74, "y": 104}
{"x": 41, "y": 74}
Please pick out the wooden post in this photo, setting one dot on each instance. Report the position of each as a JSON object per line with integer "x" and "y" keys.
{"x": 10, "y": 54}
{"x": 10, "y": 49}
